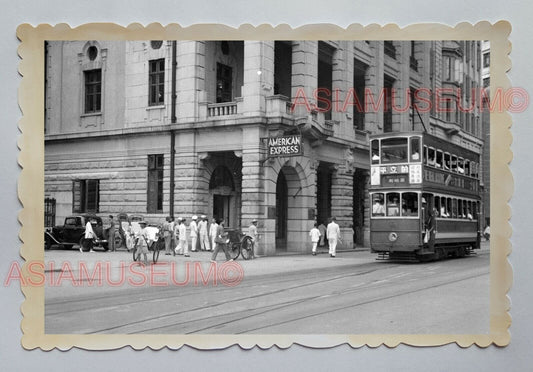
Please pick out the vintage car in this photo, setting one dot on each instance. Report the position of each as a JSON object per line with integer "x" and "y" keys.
{"x": 72, "y": 232}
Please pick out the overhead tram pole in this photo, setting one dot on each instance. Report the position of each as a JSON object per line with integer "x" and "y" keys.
{"x": 172, "y": 131}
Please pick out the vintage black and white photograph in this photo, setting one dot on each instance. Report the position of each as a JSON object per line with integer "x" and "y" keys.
{"x": 235, "y": 187}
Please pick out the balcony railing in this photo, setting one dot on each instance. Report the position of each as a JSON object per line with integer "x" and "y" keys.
{"x": 221, "y": 109}
{"x": 278, "y": 105}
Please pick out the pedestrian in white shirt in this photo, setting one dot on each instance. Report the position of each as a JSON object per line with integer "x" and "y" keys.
{"x": 202, "y": 228}
{"x": 334, "y": 234}
{"x": 213, "y": 233}
{"x": 89, "y": 236}
{"x": 193, "y": 226}
{"x": 183, "y": 246}
{"x": 315, "y": 237}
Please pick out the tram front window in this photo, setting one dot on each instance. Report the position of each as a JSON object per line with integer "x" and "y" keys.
{"x": 375, "y": 152}
{"x": 415, "y": 149}
{"x": 393, "y": 204}
{"x": 394, "y": 150}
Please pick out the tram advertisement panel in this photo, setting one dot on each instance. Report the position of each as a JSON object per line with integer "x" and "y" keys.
{"x": 396, "y": 175}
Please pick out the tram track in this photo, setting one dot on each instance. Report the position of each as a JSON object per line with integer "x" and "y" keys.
{"x": 235, "y": 311}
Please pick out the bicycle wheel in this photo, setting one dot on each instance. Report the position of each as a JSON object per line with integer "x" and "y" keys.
{"x": 135, "y": 257}
{"x": 247, "y": 248}
{"x": 234, "y": 250}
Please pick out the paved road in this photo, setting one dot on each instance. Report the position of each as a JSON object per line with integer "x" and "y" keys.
{"x": 351, "y": 294}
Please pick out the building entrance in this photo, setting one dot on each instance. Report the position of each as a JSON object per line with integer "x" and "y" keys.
{"x": 281, "y": 212}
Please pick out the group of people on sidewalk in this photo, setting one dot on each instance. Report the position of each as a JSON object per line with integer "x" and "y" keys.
{"x": 319, "y": 233}
{"x": 211, "y": 236}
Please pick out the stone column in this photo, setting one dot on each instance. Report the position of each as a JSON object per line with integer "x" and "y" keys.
{"x": 190, "y": 79}
{"x": 342, "y": 203}
{"x": 253, "y": 192}
{"x": 401, "y": 108}
{"x": 304, "y": 75}
{"x": 187, "y": 165}
{"x": 374, "y": 85}
{"x": 342, "y": 82}
{"x": 423, "y": 56}
{"x": 258, "y": 76}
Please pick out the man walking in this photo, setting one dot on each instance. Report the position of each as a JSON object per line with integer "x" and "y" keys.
{"x": 202, "y": 228}
{"x": 213, "y": 232}
{"x": 167, "y": 234}
{"x": 194, "y": 233}
{"x": 334, "y": 234}
{"x": 183, "y": 247}
{"x": 252, "y": 233}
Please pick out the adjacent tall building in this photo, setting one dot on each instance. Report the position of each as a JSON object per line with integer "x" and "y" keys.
{"x": 269, "y": 130}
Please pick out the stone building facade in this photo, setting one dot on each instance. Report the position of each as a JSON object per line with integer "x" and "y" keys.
{"x": 181, "y": 128}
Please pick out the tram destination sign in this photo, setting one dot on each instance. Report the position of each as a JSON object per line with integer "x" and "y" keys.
{"x": 285, "y": 146}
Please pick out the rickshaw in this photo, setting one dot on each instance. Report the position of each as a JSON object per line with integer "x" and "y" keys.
{"x": 239, "y": 244}
{"x": 158, "y": 244}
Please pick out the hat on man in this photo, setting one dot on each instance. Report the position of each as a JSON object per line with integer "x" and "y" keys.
{"x": 195, "y": 217}
{"x": 254, "y": 220}
{"x": 143, "y": 222}
{"x": 203, "y": 216}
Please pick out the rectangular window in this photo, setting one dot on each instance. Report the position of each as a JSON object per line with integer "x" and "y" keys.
{"x": 85, "y": 196}
{"x": 93, "y": 91}
{"x": 486, "y": 60}
{"x": 156, "y": 94}
{"x": 155, "y": 183}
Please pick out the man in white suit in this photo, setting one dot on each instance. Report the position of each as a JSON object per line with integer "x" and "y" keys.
{"x": 334, "y": 234}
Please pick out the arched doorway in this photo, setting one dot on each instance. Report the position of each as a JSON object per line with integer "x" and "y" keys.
{"x": 222, "y": 195}
{"x": 281, "y": 212}
{"x": 291, "y": 210}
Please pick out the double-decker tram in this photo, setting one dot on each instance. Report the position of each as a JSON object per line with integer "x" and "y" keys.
{"x": 424, "y": 194}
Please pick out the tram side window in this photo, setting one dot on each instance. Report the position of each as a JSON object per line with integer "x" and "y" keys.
{"x": 375, "y": 152}
{"x": 454, "y": 208}
{"x": 415, "y": 149}
{"x": 460, "y": 210}
{"x": 474, "y": 169}
{"x": 410, "y": 204}
{"x": 431, "y": 156}
{"x": 446, "y": 161}
{"x": 393, "y": 204}
{"x": 449, "y": 207}
{"x": 443, "y": 212}
{"x": 378, "y": 209}
{"x": 461, "y": 166}
{"x": 425, "y": 155}
{"x": 454, "y": 163}
{"x": 467, "y": 167}
{"x": 475, "y": 205}
{"x": 440, "y": 160}
{"x": 394, "y": 150}
{"x": 437, "y": 205}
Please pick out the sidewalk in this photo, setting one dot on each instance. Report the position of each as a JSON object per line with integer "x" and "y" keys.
{"x": 284, "y": 263}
